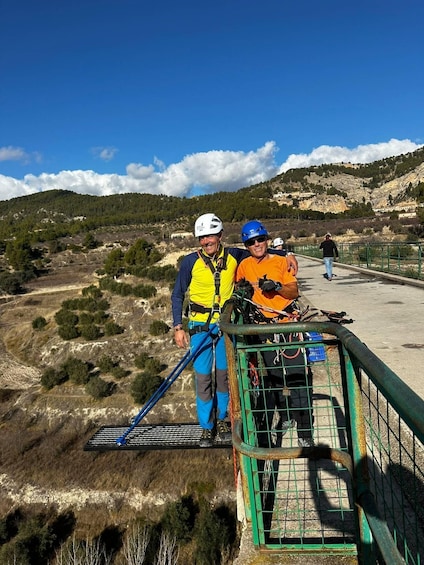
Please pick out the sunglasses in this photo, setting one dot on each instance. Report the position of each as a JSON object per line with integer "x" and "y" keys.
{"x": 254, "y": 240}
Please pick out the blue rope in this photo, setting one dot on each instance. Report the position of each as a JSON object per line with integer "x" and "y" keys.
{"x": 157, "y": 395}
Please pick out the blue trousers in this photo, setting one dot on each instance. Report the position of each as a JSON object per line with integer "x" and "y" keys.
{"x": 209, "y": 398}
{"x": 328, "y": 262}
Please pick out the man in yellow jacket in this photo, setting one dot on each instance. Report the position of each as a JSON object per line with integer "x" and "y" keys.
{"x": 207, "y": 275}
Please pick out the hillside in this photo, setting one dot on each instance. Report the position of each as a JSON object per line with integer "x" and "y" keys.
{"x": 391, "y": 185}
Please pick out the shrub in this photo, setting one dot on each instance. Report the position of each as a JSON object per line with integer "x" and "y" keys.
{"x": 114, "y": 264}
{"x": 71, "y": 304}
{"x": 68, "y": 332}
{"x": 158, "y": 327}
{"x": 65, "y": 317}
{"x": 143, "y": 386}
{"x": 166, "y": 273}
{"x": 179, "y": 518}
{"x": 144, "y": 291}
{"x": 34, "y": 543}
{"x": 150, "y": 364}
{"x": 10, "y": 283}
{"x": 106, "y": 364}
{"x": 98, "y": 388}
{"x": 92, "y": 290}
{"x": 90, "y": 242}
{"x": 102, "y": 304}
{"x": 90, "y": 332}
{"x": 39, "y": 323}
{"x": 400, "y": 251}
{"x": 86, "y": 318}
{"x": 113, "y": 329}
{"x": 9, "y": 525}
{"x": 153, "y": 366}
{"x": 77, "y": 370}
{"x": 100, "y": 317}
{"x": 51, "y": 378}
{"x": 89, "y": 304}
{"x": 212, "y": 534}
{"x": 119, "y": 372}
{"x": 140, "y": 360}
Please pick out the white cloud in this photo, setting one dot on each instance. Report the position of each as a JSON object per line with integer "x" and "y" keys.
{"x": 198, "y": 173}
{"x": 104, "y": 153}
{"x": 326, "y": 154}
{"x": 12, "y": 154}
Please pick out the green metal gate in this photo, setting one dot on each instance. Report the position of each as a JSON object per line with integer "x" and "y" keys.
{"x": 359, "y": 490}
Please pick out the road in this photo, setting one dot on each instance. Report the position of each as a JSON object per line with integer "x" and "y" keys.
{"x": 387, "y": 314}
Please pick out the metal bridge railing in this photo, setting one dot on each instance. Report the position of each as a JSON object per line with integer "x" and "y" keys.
{"x": 360, "y": 490}
{"x": 404, "y": 259}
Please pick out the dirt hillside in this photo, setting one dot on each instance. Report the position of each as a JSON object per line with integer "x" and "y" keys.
{"x": 44, "y": 432}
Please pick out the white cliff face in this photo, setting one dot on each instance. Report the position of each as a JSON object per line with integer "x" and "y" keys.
{"x": 338, "y": 192}
{"x": 390, "y": 191}
{"x": 334, "y": 204}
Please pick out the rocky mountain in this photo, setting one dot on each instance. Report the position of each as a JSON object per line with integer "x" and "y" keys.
{"x": 389, "y": 185}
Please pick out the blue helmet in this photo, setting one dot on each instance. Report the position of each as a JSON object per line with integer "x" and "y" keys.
{"x": 253, "y": 228}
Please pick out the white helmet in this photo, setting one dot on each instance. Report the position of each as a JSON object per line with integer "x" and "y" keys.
{"x": 277, "y": 241}
{"x": 208, "y": 224}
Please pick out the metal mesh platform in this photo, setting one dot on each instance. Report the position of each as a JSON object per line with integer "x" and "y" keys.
{"x": 151, "y": 436}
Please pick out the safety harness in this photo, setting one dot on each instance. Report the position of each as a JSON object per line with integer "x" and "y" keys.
{"x": 221, "y": 265}
{"x": 251, "y": 312}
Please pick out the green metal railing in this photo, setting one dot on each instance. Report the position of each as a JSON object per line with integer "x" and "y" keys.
{"x": 360, "y": 491}
{"x": 405, "y": 259}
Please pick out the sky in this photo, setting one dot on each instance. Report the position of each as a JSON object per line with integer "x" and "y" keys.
{"x": 186, "y": 98}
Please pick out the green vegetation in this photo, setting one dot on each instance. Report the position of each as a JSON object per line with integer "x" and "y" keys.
{"x": 91, "y": 322}
{"x": 78, "y": 371}
{"x": 143, "y": 386}
{"x": 98, "y": 388}
{"x": 32, "y": 539}
{"x": 35, "y": 228}
{"x": 158, "y": 327}
{"x": 106, "y": 364}
{"x": 125, "y": 289}
{"x": 39, "y": 323}
{"x": 73, "y": 369}
{"x": 51, "y": 378}
{"x": 189, "y": 528}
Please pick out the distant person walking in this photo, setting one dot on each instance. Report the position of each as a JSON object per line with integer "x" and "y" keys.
{"x": 329, "y": 253}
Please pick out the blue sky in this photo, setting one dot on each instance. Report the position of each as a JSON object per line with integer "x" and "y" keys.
{"x": 182, "y": 98}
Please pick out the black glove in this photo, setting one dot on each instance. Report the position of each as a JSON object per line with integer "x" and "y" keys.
{"x": 268, "y": 285}
{"x": 243, "y": 289}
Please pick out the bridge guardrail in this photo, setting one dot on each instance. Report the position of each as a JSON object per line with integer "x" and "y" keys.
{"x": 360, "y": 490}
{"x": 404, "y": 259}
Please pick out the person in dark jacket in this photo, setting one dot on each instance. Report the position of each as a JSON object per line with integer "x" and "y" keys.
{"x": 329, "y": 253}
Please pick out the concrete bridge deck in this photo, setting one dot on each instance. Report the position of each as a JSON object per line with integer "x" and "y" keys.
{"x": 388, "y": 312}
